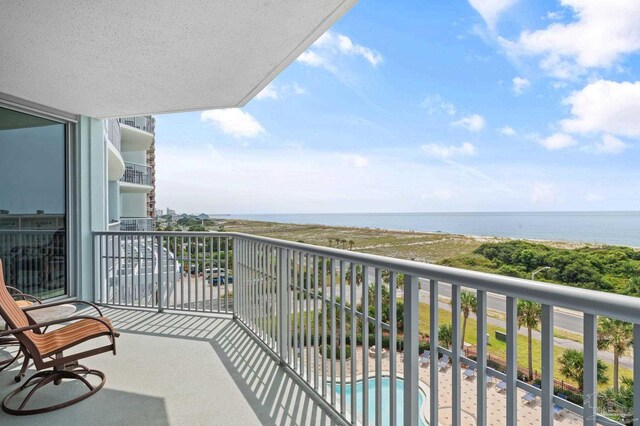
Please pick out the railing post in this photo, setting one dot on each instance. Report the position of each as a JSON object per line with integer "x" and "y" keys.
{"x": 234, "y": 266}
{"x": 160, "y": 289}
{"x": 433, "y": 347}
{"x": 411, "y": 306}
{"x": 283, "y": 321}
{"x": 590, "y": 370}
{"x": 636, "y": 374}
{"x": 547, "y": 365}
{"x": 512, "y": 360}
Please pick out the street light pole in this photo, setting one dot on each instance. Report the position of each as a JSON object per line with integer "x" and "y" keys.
{"x": 533, "y": 274}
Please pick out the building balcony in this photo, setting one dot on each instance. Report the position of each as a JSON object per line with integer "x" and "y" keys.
{"x": 135, "y": 224}
{"x": 136, "y": 177}
{"x": 238, "y": 329}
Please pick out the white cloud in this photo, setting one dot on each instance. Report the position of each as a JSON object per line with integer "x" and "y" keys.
{"x": 444, "y": 152}
{"x": 605, "y": 106}
{"x": 434, "y": 103}
{"x": 490, "y": 10}
{"x": 298, "y": 90}
{"x": 593, "y": 197}
{"x": 330, "y": 46}
{"x": 508, "y": 131}
{"x": 273, "y": 91}
{"x": 269, "y": 91}
{"x": 610, "y": 145}
{"x": 356, "y": 160}
{"x": 558, "y": 141}
{"x": 473, "y": 123}
{"x": 544, "y": 193}
{"x": 520, "y": 85}
{"x": 554, "y": 16}
{"x": 235, "y": 122}
{"x": 311, "y": 58}
{"x": 602, "y": 32}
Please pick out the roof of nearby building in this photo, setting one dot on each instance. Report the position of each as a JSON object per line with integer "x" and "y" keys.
{"x": 104, "y": 59}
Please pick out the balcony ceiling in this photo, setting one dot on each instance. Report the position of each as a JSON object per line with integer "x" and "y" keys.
{"x": 121, "y": 58}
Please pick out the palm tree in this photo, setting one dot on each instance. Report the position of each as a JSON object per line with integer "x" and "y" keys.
{"x": 351, "y": 243}
{"x": 618, "y": 335}
{"x": 445, "y": 335}
{"x": 572, "y": 367}
{"x": 468, "y": 304}
{"x": 529, "y": 314}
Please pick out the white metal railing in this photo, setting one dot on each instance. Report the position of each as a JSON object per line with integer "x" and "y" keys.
{"x": 134, "y": 224}
{"x": 136, "y": 173}
{"x": 142, "y": 122}
{"x": 299, "y": 301}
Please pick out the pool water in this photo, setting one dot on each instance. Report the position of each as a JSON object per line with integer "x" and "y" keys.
{"x": 386, "y": 395}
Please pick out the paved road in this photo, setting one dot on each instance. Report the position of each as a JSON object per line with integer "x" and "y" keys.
{"x": 563, "y": 318}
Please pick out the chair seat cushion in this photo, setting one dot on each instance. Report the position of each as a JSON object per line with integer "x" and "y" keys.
{"x": 70, "y": 335}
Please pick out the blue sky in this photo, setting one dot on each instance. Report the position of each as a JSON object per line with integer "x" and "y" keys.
{"x": 479, "y": 105}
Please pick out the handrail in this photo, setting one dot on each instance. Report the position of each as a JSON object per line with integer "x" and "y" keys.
{"x": 595, "y": 302}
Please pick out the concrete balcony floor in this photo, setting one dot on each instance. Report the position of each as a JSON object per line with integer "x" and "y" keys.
{"x": 179, "y": 369}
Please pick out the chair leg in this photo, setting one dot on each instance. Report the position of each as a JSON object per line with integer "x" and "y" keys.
{"x": 23, "y": 370}
{"x": 42, "y": 378}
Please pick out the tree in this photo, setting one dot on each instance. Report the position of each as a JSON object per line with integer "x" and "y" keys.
{"x": 529, "y": 314}
{"x": 617, "y": 335}
{"x": 468, "y": 304}
{"x": 351, "y": 244}
{"x": 572, "y": 367}
{"x": 445, "y": 335}
{"x": 632, "y": 288}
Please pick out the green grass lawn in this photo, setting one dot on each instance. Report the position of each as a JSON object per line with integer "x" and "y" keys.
{"x": 499, "y": 349}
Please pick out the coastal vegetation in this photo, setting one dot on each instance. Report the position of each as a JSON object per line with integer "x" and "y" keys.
{"x": 604, "y": 268}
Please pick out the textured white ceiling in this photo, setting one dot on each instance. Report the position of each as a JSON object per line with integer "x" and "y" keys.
{"x": 121, "y": 58}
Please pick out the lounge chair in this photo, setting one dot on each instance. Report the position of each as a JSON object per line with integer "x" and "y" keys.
{"x": 46, "y": 349}
{"x": 502, "y": 386}
{"x": 444, "y": 363}
{"x": 558, "y": 411}
{"x": 425, "y": 358}
{"x": 469, "y": 373}
{"x": 529, "y": 398}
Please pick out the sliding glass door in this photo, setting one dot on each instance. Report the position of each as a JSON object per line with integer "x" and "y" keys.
{"x": 33, "y": 203}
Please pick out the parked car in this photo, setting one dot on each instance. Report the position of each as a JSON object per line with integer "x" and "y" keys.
{"x": 222, "y": 279}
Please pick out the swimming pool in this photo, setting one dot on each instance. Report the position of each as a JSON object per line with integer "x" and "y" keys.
{"x": 386, "y": 381}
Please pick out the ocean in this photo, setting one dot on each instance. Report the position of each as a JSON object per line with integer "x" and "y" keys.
{"x": 615, "y": 228}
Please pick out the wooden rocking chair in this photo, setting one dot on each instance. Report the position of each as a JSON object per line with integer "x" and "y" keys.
{"x": 46, "y": 348}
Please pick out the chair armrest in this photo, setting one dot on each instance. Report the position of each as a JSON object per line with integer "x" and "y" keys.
{"x": 18, "y": 330}
{"x": 15, "y": 292}
{"x": 62, "y": 302}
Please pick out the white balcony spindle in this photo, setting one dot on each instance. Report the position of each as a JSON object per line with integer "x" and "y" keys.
{"x": 378, "y": 352}
{"x": 456, "y": 401}
{"x": 512, "y": 360}
{"x": 393, "y": 344}
{"x": 365, "y": 345}
{"x": 411, "y": 379}
{"x": 481, "y": 362}
{"x": 590, "y": 370}
{"x": 433, "y": 346}
{"x": 547, "y": 365}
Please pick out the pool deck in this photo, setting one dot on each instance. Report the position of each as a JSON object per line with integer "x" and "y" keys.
{"x": 528, "y": 415}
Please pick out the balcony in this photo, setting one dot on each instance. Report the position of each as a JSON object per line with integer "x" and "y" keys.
{"x": 135, "y": 224}
{"x": 293, "y": 303}
{"x": 137, "y": 174}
